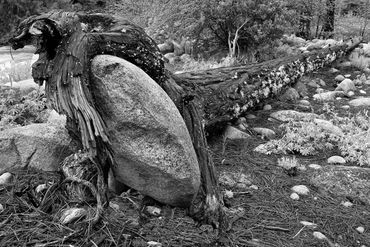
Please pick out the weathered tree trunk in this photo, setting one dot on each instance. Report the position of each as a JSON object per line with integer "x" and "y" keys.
{"x": 67, "y": 42}
{"x": 224, "y": 94}
{"x": 328, "y": 28}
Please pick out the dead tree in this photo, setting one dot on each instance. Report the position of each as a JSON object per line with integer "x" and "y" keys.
{"x": 224, "y": 94}
{"x": 328, "y": 27}
{"x": 67, "y": 42}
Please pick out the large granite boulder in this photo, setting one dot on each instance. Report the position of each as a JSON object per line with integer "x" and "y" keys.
{"x": 152, "y": 148}
{"x": 41, "y": 146}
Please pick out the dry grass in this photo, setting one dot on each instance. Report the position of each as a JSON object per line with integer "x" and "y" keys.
{"x": 32, "y": 219}
{"x": 273, "y": 219}
{"x": 359, "y": 61}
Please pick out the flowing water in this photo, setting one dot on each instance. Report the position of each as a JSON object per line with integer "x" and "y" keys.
{"x": 15, "y": 66}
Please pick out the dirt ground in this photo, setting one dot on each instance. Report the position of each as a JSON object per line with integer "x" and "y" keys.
{"x": 264, "y": 215}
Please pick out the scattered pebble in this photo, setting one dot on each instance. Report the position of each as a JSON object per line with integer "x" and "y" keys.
{"x": 336, "y": 160}
{"x": 1, "y": 208}
{"x": 346, "y": 85}
{"x": 301, "y": 189}
{"x": 294, "y": 196}
{"x": 360, "y": 229}
{"x": 241, "y": 186}
{"x": 267, "y": 107}
{"x": 338, "y": 98}
{"x": 228, "y": 194}
{"x": 347, "y": 204}
{"x": 253, "y": 187}
{"x": 319, "y": 236}
{"x": 327, "y": 96}
{"x": 72, "y": 214}
{"x": 347, "y": 75}
{"x": 154, "y": 211}
{"x": 304, "y": 102}
{"x": 302, "y": 168}
{"x": 268, "y": 133}
{"x": 313, "y": 84}
{"x": 339, "y": 78}
{"x": 233, "y": 133}
{"x": 154, "y": 244}
{"x": 6, "y": 178}
{"x": 333, "y": 70}
{"x": 360, "y": 102}
{"x": 345, "y": 107}
{"x": 362, "y": 92}
{"x": 314, "y": 166}
{"x": 309, "y": 224}
{"x": 350, "y": 94}
{"x": 114, "y": 206}
{"x": 41, "y": 187}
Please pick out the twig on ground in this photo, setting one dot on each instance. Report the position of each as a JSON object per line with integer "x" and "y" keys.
{"x": 5, "y": 221}
{"x": 299, "y": 232}
{"x": 275, "y": 228}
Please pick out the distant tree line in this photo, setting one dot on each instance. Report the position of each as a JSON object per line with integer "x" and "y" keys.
{"x": 238, "y": 26}
{"x": 13, "y": 11}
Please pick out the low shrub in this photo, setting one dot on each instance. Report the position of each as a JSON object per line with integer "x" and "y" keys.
{"x": 306, "y": 137}
{"x": 17, "y": 110}
{"x": 359, "y": 61}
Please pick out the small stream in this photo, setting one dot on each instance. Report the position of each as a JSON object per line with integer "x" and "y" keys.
{"x": 15, "y": 66}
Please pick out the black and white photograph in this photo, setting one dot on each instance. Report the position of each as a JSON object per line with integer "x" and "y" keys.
{"x": 180, "y": 123}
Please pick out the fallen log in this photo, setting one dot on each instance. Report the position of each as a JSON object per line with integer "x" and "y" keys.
{"x": 67, "y": 42}
{"x": 224, "y": 94}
